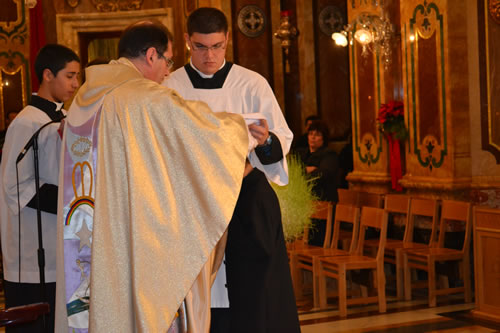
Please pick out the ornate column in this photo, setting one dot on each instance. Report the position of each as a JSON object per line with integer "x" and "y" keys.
{"x": 372, "y": 84}
{"x": 435, "y": 72}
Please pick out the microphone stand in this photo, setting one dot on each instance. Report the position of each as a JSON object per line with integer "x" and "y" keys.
{"x": 41, "y": 251}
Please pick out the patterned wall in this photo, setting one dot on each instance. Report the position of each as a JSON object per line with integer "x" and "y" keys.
{"x": 372, "y": 84}
{"x": 14, "y": 62}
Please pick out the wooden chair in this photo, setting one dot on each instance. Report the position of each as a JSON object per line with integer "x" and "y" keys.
{"x": 323, "y": 210}
{"x": 427, "y": 208}
{"x": 301, "y": 259}
{"x": 395, "y": 204}
{"x": 337, "y": 267}
{"x": 368, "y": 199}
{"x": 425, "y": 259}
{"x": 348, "y": 197}
{"x": 23, "y": 314}
{"x": 358, "y": 199}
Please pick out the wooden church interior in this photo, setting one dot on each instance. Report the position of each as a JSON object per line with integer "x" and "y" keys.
{"x": 437, "y": 57}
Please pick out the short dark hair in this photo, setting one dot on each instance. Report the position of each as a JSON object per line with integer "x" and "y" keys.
{"x": 311, "y": 118}
{"x": 320, "y": 126}
{"x": 140, "y": 36}
{"x": 206, "y": 20}
{"x": 53, "y": 57}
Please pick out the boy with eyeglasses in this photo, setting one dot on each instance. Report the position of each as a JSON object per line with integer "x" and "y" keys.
{"x": 262, "y": 299}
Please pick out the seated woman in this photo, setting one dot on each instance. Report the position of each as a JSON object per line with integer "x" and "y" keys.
{"x": 321, "y": 163}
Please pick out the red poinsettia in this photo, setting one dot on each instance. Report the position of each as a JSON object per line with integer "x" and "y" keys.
{"x": 391, "y": 120}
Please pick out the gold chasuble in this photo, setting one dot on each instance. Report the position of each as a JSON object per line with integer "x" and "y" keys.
{"x": 167, "y": 176}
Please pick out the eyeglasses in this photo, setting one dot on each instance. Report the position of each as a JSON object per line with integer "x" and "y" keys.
{"x": 170, "y": 62}
{"x": 203, "y": 48}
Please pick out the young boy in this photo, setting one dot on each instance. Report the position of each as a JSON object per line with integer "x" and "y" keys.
{"x": 57, "y": 68}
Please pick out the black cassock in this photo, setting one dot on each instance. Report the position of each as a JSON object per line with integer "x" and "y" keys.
{"x": 258, "y": 276}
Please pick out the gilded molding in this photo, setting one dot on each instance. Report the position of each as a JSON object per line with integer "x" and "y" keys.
{"x": 430, "y": 148}
{"x": 73, "y": 3}
{"x": 70, "y": 25}
{"x": 8, "y": 28}
{"x": 368, "y": 177}
{"x": 442, "y": 184}
{"x": 494, "y": 8}
{"x": 117, "y": 5}
{"x": 13, "y": 63}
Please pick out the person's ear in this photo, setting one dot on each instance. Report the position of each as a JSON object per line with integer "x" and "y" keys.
{"x": 47, "y": 75}
{"x": 186, "y": 37}
{"x": 151, "y": 55}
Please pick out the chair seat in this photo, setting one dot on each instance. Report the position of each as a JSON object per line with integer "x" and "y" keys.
{"x": 320, "y": 252}
{"x": 353, "y": 262}
{"x": 23, "y": 314}
{"x": 435, "y": 252}
{"x": 413, "y": 245}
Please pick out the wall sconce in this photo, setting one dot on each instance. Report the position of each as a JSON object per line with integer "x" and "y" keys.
{"x": 373, "y": 32}
{"x": 286, "y": 33}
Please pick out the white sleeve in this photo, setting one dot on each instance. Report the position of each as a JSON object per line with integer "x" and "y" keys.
{"x": 19, "y": 133}
{"x": 265, "y": 102}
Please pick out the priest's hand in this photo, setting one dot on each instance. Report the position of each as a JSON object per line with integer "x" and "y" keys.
{"x": 260, "y": 131}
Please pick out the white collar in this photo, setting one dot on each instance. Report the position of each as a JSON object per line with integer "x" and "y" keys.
{"x": 203, "y": 75}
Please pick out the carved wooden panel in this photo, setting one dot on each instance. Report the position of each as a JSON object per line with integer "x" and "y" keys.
{"x": 367, "y": 140}
{"x": 332, "y": 67}
{"x": 489, "y": 53}
{"x": 252, "y": 38}
{"x": 367, "y": 89}
{"x": 12, "y": 85}
{"x": 427, "y": 85}
{"x": 14, "y": 51}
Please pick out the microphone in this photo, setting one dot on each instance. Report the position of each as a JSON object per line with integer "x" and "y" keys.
{"x": 34, "y": 136}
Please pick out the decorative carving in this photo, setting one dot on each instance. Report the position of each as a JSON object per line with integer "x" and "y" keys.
{"x": 494, "y": 8}
{"x": 9, "y": 27}
{"x": 251, "y": 21}
{"x": 331, "y": 20}
{"x": 428, "y": 111}
{"x": 117, "y": 5}
{"x": 70, "y": 25}
{"x": 31, "y": 4}
{"x": 73, "y": 3}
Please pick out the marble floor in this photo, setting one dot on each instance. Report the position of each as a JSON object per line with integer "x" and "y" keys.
{"x": 451, "y": 315}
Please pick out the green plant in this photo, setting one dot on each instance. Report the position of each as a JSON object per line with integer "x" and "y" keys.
{"x": 296, "y": 199}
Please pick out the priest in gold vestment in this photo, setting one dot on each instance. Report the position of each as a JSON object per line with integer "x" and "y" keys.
{"x": 149, "y": 183}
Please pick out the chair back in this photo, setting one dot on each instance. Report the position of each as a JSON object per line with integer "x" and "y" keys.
{"x": 348, "y": 197}
{"x": 422, "y": 207}
{"x": 323, "y": 210}
{"x": 399, "y": 204}
{"x": 457, "y": 215}
{"x": 345, "y": 214}
{"x": 376, "y": 218}
{"x": 367, "y": 199}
